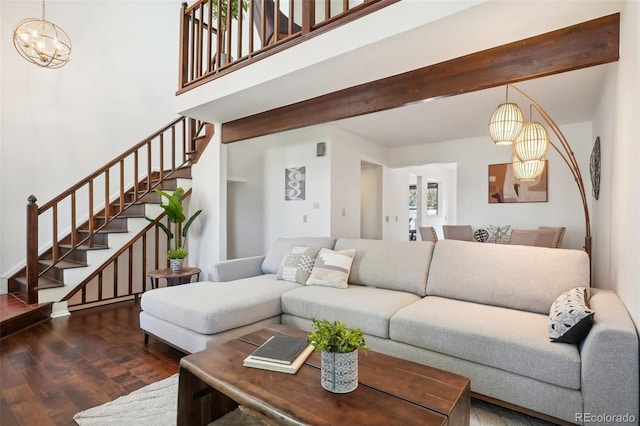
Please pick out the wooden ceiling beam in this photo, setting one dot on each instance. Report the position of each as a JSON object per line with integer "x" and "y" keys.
{"x": 583, "y": 45}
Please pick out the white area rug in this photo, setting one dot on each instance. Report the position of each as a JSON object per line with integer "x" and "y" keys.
{"x": 156, "y": 405}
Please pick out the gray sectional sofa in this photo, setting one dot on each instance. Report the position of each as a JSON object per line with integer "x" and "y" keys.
{"x": 480, "y": 310}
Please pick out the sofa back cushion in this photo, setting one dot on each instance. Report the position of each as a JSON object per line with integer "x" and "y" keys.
{"x": 393, "y": 265}
{"x": 511, "y": 276}
{"x": 281, "y": 246}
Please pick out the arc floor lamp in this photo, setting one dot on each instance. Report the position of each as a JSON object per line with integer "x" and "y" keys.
{"x": 530, "y": 147}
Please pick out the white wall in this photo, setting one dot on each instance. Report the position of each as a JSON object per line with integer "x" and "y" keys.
{"x": 208, "y": 234}
{"x": 60, "y": 125}
{"x": 616, "y": 213}
{"x": 395, "y": 206}
{"x": 473, "y": 156}
{"x": 347, "y": 151}
{"x": 287, "y": 218}
{"x": 245, "y": 204}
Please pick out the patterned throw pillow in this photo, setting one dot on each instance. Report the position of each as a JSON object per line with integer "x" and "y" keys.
{"x": 332, "y": 268}
{"x": 297, "y": 264}
{"x": 570, "y": 319}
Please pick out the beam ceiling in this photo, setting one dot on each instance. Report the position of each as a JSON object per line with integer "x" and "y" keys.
{"x": 579, "y": 46}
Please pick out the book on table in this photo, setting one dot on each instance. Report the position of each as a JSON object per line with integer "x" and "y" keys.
{"x": 280, "y": 353}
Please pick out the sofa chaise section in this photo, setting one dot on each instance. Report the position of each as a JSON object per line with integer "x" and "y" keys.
{"x": 244, "y": 297}
{"x": 209, "y": 308}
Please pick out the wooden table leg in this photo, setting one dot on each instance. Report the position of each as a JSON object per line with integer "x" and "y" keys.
{"x": 199, "y": 404}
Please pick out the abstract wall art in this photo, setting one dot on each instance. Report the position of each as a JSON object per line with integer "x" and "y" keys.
{"x": 505, "y": 188}
{"x": 294, "y": 183}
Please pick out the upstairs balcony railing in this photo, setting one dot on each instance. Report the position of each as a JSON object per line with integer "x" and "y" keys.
{"x": 218, "y": 36}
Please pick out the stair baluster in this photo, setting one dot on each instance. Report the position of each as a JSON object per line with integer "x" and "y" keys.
{"x": 170, "y": 151}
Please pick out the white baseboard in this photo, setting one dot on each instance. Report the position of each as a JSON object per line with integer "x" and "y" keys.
{"x": 60, "y": 309}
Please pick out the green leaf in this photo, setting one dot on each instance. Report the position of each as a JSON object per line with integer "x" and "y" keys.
{"x": 189, "y": 222}
{"x": 162, "y": 226}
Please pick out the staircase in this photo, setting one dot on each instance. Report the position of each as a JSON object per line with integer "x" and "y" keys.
{"x": 104, "y": 245}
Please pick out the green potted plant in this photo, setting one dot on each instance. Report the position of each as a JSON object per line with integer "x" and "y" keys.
{"x": 174, "y": 211}
{"x": 338, "y": 347}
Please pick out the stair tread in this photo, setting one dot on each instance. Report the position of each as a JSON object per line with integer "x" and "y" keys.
{"x": 85, "y": 246}
{"x": 130, "y": 209}
{"x": 64, "y": 264}
{"x": 43, "y": 282}
{"x": 48, "y": 283}
{"x": 105, "y": 231}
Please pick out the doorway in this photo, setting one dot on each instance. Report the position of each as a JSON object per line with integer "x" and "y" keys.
{"x": 370, "y": 201}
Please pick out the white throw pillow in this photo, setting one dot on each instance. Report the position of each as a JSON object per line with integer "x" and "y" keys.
{"x": 332, "y": 268}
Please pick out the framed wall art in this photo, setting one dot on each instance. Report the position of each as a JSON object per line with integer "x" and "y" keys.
{"x": 505, "y": 188}
{"x": 294, "y": 183}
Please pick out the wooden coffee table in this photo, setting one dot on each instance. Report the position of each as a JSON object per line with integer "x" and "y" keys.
{"x": 391, "y": 391}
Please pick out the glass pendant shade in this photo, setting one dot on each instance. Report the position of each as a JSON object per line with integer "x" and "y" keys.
{"x": 532, "y": 143}
{"x": 528, "y": 171}
{"x": 506, "y": 123}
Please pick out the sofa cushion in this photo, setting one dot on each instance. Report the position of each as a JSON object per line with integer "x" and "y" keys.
{"x": 297, "y": 264}
{"x": 392, "y": 265}
{"x": 212, "y": 307}
{"x": 356, "y": 306}
{"x": 570, "y": 319}
{"x": 512, "y": 276}
{"x": 508, "y": 339}
{"x": 281, "y": 246}
{"x": 332, "y": 268}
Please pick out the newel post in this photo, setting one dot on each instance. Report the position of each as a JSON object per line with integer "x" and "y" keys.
{"x": 32, "y": 250}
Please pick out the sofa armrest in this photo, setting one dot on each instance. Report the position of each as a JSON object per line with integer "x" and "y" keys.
{"x": 610, "y": 370}
{"x": 236, "y": 269}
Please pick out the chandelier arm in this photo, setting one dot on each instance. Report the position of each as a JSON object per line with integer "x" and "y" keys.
{"x": 570, "y": 159}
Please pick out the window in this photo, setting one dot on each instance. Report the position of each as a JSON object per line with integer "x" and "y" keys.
{"x": 432, "y": 198}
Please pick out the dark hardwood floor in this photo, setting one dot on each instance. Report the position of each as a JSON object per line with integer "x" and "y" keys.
{"x": 56, "y": 368}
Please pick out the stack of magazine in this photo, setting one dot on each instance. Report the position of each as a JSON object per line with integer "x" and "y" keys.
{"x": 280, "y": 353}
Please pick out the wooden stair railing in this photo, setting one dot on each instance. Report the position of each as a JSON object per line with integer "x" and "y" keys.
{"x": 262, "y": 28}
{"x": 106, "y": 284}
{"x": 61, "y": 231}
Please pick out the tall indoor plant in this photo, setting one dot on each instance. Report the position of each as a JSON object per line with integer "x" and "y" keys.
{"x": 338, "y": 346}
{"x": 176, "y": 231}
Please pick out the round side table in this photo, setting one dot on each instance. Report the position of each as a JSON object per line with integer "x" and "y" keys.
{"x": 173, "y": 278}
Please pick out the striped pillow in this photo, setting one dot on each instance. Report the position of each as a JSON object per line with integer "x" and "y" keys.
{"x": 332, "y": 268}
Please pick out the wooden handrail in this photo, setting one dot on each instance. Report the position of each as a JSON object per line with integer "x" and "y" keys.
{"x": 206, "y": 41}
{"x": 159, "y": 156}
{"x": 110, "y": 164}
